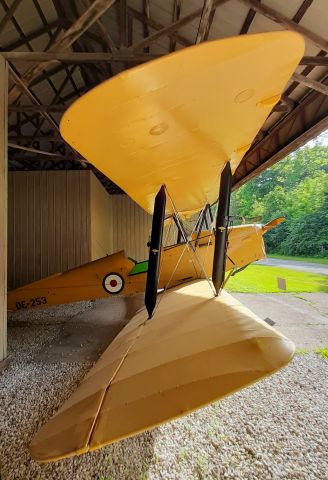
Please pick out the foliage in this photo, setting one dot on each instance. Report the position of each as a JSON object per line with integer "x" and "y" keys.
{"x": 263, "y": 279}
{"x": 296, "y": 188}
{"x": 323, "y": 352}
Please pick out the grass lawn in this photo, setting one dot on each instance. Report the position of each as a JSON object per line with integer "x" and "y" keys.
{"x": 263, "y": 279}
{"x": 299, "y": 259}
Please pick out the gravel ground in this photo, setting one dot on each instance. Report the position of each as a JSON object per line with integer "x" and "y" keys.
{"x": 276, "y": 429}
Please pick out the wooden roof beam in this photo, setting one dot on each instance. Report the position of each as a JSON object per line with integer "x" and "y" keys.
{"x": 18, "y": 81}
{"x": 87, "y": 19}
{"x": 302, "y": 10}
{"x": 204, "y": 21}
{"x": 176, "y": 14}
{"x": 248, "y": 21}
{"x": 78, "y": 57}
{"x": 277, "y": 17}
{"x": 123, "y": 23}
{"x": 37, "y": 108}
{"x": 9, "y": 14}
{"x": 31, "y": 36}
{"x": 316, "y": 61}
{"x": 314, "y": 84}
{"x": 32, "y": 150}
{"x": 174, "y": 27}
{"x": 145, "y": 26}
{"x": 288, "y": 101}
{"x": 39, "y": 137}
{"x": 158, "y": 26}
{"x": 102, "y": 30}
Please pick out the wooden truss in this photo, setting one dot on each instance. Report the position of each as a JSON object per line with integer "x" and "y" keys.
{"x": 81, "y": 43}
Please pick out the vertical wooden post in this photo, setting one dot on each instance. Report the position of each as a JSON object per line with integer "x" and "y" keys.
{"x": 3, "y": 207}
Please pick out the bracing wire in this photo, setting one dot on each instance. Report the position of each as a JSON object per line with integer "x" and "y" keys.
{"x": 189, "y": 243}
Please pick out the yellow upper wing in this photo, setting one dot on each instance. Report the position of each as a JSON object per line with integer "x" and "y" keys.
{"x": 178, "y": 120}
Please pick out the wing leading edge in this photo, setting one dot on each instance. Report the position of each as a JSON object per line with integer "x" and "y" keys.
{"x": 177, "y": 120}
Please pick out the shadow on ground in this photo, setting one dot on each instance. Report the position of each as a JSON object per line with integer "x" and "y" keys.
{"x": 50, "y": 351}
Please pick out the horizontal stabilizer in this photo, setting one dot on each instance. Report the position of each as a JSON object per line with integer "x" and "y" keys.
{"x": 274, "y": 223}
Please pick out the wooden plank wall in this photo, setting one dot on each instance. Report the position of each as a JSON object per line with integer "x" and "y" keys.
{"x": 59, "y": 220}
{"x": 3, "y": 207}
{"x": 100, "y": 217}
{"x": 130, "y": 227}
{"x": 49, "y": 227}
{"x": 117, "y": 223}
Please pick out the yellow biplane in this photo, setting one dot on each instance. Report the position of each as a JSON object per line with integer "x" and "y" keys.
{"x": 170, "y": 133}
{"x": 118, "y": 274}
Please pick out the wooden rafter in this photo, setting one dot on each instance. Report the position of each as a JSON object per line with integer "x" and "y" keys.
{"x": 314, "y": 84}
{"x": 96, "y": 9}
{"x": 315, "y": 61}
{"x": 158, "y": 26}
{"x": 210, "y": 21}
{"x": 9, "y": 14}
{"x": 302, "y": 10}
{"x": 92, "y": 39}
{"x": 123, "y": 23}
{"x": 130, "y": 30}
{"x": 248, "y": 21}
{"x": 57, "y": 97}
{"x": 166, "y": 31}
{"x": 277, "y": 17}
{"x": 27, "y": 138}
{"x": 145, "y": 26}
{"x": 176, "y": 13}
{"x": 22, "y": 34}
{"x": 306, "y": 71}
{"x": 78, "y": 57}
{"x": 32, "y": 150}
{"x": 98, "y": 48}
{"x": 31, "y": 36}
{"x": 52, "y": 38}
{"x": 18, "y": 81}
{"x": 204, "y": 21}
{"x": 102, "y": 30}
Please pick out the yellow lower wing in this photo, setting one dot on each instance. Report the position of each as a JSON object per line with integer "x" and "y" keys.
{"x": 195, "y": 350}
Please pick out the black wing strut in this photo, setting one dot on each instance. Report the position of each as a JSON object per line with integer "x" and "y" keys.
{"x": 155, "y": 251}
{"x": 221, "y": 229}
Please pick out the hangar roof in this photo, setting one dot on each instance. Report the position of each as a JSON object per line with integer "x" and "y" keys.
{"x": 58, "y": 50}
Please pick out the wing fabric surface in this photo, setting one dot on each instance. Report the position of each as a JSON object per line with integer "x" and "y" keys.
{"x": 177, "y": 120}
{"x": 197, "y": 349}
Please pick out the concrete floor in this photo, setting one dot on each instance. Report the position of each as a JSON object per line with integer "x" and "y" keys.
{"x": 301, "y": 317}
{"x": 310, "y": 267}
{"x": 85, "y": 335}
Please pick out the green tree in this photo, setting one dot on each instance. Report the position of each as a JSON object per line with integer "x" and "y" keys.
{"x": 296, "y": 188}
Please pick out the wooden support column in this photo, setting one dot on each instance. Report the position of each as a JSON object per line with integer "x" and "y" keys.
{"x": 3, "y": 207}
